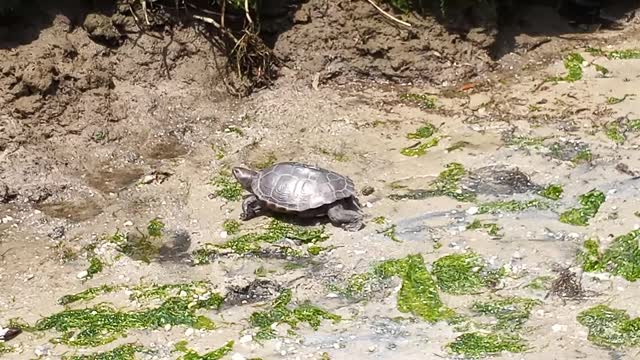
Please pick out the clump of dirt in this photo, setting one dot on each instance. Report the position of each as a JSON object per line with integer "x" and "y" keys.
{"x": 344, "y": 41}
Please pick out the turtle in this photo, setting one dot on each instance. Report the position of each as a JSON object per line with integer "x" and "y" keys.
{"x": 304, "y": 190}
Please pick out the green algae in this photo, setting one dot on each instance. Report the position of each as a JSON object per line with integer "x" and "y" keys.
{"x": 511, "y": 313}
{"x": 420, "y": 148}
{"x": 477, "y": 345}
{"x": 418, "y": 294}
{"x": 390, "y": 232}
{"x": 552, "y": 192}
{"x": 493, "y": 229}
{"x": 465, "y": 273}
{"x": 612, "y": 100}
{"x": 458, "y": 145}
{"x": 423, "y": 101}
{"x": 573, "y": 65}
{"x": 281, "y": 313}
{"x": 446, "y": 184}
{"x": 155, "y": 228}
{"x": 380, "y": 220}
{"x": 609, "y": 327}
{"x": 525, "y": 141}
{"x": 510, "y": 206}
{"x": 627, "y": 54}
{"x": 621, "y": 258}
{"x": 102, "y": 324}
{"x": 88, "y": 294}
{"x": 231, "y": 226}
{"x": 251, "y": 243}
{"x": 227, "y": 187}
{"x": 590, "y": 204}
{"x": 423, "y": 132}
{"x": 122, "y": 352}
{"x": 191, "y": 354}
{"x": 95, "y": 266}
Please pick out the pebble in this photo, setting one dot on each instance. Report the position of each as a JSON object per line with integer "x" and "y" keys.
{"x": 41, "y": 351}
{"x": 82, "y": 274}
{"x": 224, "y": 234}
{"x": 472, "y": 210}
{"x": 167, "y": 327}
{"x": 7, "y": 219}
{"x": 29, "y": 277}
{"x": 238, "y": 356}
{"x": 128, "y": 223}
{"x": 372, "y": 348}
{"x": 189, "y": 332}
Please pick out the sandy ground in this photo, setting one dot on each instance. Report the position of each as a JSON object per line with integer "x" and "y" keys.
{"x": 89, "y": 185}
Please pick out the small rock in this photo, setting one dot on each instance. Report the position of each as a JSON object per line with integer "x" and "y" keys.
{"x": 367, "y": 190}
{"x": 57, "y": 233}
{"x": 189, "y": 332}
{"x": 82, "y": 274}
{"x": 237, "y": 356}
{"x": 128, "y": 223}
{"x": 472, "y": 210}
{"x": 211, "y": 196}
{"x": 167, "y": 327}
{"x": 372, "y": 348}
{"x": 41, "y": 351}
{"x": 29, "y": 277}
{"x": 224, "y": 234}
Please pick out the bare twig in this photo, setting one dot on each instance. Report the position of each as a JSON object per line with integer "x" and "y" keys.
{"x": 144, "y": 10}
{"x": 246, "y": 11}
{"x": 224, "y": 6}
{"x": 386, "y": 14}
{"x": 209, "y": 20}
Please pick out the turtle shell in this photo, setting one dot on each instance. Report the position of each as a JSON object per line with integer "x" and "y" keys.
{"x": 295, "y": 187}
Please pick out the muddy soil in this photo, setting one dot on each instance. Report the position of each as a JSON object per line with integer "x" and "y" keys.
{"x": 104, "y": 130}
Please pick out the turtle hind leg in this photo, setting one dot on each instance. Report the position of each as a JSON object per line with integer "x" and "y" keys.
{"x": 251, "y": 207}
{"x": 348, "y": 219}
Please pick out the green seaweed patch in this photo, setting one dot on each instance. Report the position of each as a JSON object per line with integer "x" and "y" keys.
{"x": 357, "y": 286}
{"x": 590, "y": 205}
{"x": 458, "y": 145}
{"x": 95, "y": 266}
{"x": 420, "y": 149}
{"x": 422, "y": 100}
{"x": 231, "y": 226}
{"x": 87, "y": 294}
{"x": 219, "y": 151}
{"x": 492, "y": 229}
{"x": 573, "y": 65}
{"x": 465, "y": 273}
{"x": 582, "y": 156}
{"x": 281, "y": 313}
{"x": 615, "y": 132}
{"x": 155, "y": 228}
{"x": 634, "y": 125}
{"x": 6, "y": 349}
{"x": 390, "y": 232}
{"x": 542, "y": 282}
{"x": 511, "y": 313}
{"x": 609, "y": 327}
{"x": 122, "y": 352}
{"x": 510, "y": 206}
{"x": 446, "y": 184}
{"x": 419, "y": 292}
{"x": 216, "y": 354}
{"x": 621, "y": 258}
{"x": 552, "y": 192}
{"x": 525, "y": 141}
{"x": 136, "y": 246}
{"x": 601, "y": 69}
{"x": 276, "y": 230}
{"x": 380, "y": 220}
{"x": 627, "y": 54}
{"x": 477, "y": 345}
{"x": 423, "y": 132}
{"x": 227, "y": 187}
{"x": 102, "y": 324}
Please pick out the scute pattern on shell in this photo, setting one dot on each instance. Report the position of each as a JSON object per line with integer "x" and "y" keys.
{"x": 294, "y": 187}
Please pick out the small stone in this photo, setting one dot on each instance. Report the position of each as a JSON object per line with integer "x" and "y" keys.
{"x": 57, "y": 233}
{"x": 237, "y": 356}
{"x": 211, "y": 196}
{"x": 367, "y": 190}
{"x": 189, "y": 332}
{"x": 516, "y": 255}
{"x": 224, "y": 234}
{"x": 372, "y": 348}
{"x": 472, "y": 210}
{"x": 29, "y": 277}
{"x": 128, "y": 223}
{"x": 332, "y": 295}
{"x": 82, "y": 274}
{"x": 167, "y": 327}
{"x": 41, "y": 351}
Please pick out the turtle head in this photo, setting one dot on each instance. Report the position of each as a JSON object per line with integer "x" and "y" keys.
{"x": 244, "y": 177}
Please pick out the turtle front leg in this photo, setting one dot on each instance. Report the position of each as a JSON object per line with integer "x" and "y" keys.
{"x": 340, "y": 215}
{"x": 251, "y": 207}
